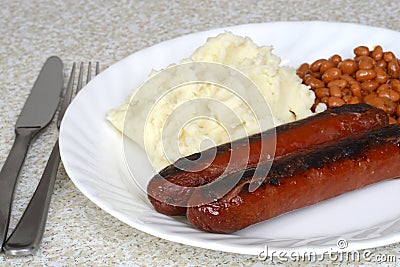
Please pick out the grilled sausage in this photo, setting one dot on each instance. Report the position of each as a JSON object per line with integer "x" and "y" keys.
{"x": 302, "y": 179}
{"x": 170, "y": 189}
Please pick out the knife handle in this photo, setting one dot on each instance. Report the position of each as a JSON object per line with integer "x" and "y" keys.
{"x": 9, "y": 175}
{"x": 26, "y": 237}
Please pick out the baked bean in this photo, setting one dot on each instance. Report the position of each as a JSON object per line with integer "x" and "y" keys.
{"x": 338, "y": 83}
{"x": 326, "y": 65}
{"x": 377, "y": 53}
{"x": 350, "y": 80}
{"x": 303, "y": 69}
{"x": 347, "y": 66}
{"x": 315, "y": 83}
{"x": 354, "y": 100}
{"x": 391, "y": 94}
{"x": 376, "y": 102}
{"x": 307, "y": 78}
{"x": 346, "y": 98}
{"x": 335, "y": 91}
{"x": 381, "y": 64}
{"x": 382, "y": 87}
{"x": 370, "y": 96}
{"x": 395, "y": 84}
{"x": 381, "y": 75}
{"x": 321, "y": 92}
{"x": 331, "y": 74}
{"x": 365, "y": 75}
{"x": 388, "y": 56}
{"x": 369, "y": 85}
{"x": 357, "y": 59}
{"x": 316, "y": 75}
{"x": 393, "y": 69}
{"x": 390, "y": 105}
{"x": 361, "y": 51}
{"x": 398, "y": 110}
{"x": 366, "y": 63}
{"x": 346, "y": 91}
{"x": 335, "y": 101}
{"x": 335, "y": 59}
{"x": 300, "y": 74}
{"x": 356, "y": 89}
{"x": 314, "y": 67}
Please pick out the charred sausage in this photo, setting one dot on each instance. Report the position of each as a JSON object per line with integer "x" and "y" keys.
{"x": 170, "y": 189}
{"x": 302, "y": 179}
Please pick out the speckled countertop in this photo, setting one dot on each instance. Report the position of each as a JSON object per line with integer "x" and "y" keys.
{"x": 78, "y": 233}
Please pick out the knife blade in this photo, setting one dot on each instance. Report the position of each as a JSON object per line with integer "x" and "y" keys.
{"x": 37, "y": 113}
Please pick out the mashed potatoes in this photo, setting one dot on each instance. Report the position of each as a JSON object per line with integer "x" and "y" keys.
{"x": 288, "y": 99}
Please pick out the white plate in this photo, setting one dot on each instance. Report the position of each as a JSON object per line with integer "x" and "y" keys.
{"x": 93, "y": 156}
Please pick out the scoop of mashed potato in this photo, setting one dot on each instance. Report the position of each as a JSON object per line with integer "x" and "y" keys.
{"x": 288, "y": 99}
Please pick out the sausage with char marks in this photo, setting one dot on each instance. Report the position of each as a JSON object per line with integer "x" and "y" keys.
{"x": 170, "y": 189}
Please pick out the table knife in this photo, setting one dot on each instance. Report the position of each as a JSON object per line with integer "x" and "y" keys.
{"x": 37, "y": 113}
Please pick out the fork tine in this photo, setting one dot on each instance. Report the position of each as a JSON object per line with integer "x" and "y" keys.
{"x": 80, "y": 78}
{"x": 89, "y": 72}
{"x": 97, "y": 68}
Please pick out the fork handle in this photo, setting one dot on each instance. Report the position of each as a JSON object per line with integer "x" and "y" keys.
{"x": 9, "y": 175}
{"x": 26, "y": 237}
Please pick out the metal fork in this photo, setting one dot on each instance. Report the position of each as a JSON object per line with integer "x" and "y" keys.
{"x": 26, "y": 237}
